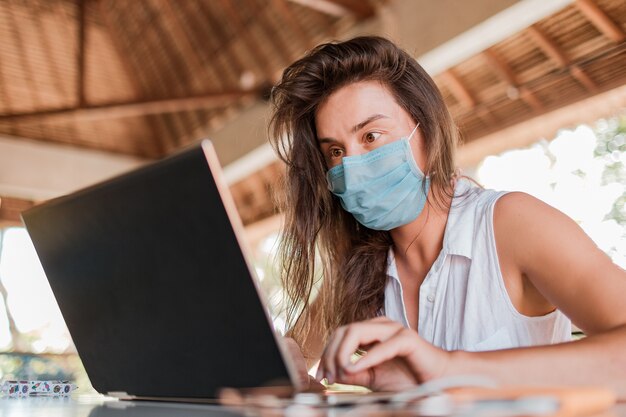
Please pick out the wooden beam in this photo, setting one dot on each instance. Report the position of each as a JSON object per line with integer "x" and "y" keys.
{"x": 80, "y": 55}
{"x": 457, "y": 88}
{"x": 215, "y": 30}
{"x": 554, "y": 52}
{"x": 507, "y": 74}
{"x": 24, "y": 57}
{"x": 486, "y": 115}
{"x": 361, "y": 9}
{"x": 134, "y": 76}
{"x": 503, "y": 70}
{"x": 10, "y": 209}
{"x": 547, "y": 45}
{"x": 530, "y": 98}
{"x": 600, "y": 20}
{"x": 246, "y": 37}
{"x": 208, "y": 43}
{"x": 271, "y": 31}
{"x": 182, "y": 42}
{"x": 162, "y": 37}
{"x": 290, "y": 19}
{"x": 324, "y": 6}
{"x": 135, "y": 108}
{"x": 584, "y": 79}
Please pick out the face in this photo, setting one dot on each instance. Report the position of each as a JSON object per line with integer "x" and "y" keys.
{"x": 361, "y": 117}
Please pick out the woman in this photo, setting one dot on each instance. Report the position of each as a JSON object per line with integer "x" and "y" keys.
{"x": 429, "y": 274}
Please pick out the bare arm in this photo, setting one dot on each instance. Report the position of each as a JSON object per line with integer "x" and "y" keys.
{"x": 569, "y": 270}
{"x": 560, "y": 261}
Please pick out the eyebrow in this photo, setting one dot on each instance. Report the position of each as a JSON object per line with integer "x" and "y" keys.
{"x": 358, "y": 126}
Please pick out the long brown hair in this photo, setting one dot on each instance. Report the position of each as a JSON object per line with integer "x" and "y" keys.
{"x": 354, "y": 258}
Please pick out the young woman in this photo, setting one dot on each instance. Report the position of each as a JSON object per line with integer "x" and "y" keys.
{"x": 428, "y": 273}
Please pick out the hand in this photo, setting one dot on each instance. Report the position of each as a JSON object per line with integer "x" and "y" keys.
{"x": 306, "y": 381}
{"x": 396, "y": 357}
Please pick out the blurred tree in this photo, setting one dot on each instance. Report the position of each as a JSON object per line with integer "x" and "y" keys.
{"x": 611, "y": 134}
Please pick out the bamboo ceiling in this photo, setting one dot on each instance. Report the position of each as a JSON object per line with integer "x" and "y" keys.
{"x": 146, "y": 77}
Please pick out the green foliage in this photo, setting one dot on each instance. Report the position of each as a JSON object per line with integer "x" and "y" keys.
{"x": 611, "y": 134}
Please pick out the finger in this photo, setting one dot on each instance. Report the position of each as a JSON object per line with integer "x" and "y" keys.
{"x": 329, "y": 365}
{"x": 363, "y": 378}
{"x": 327, "y": 361}
{"x": 401, "y": 344}
{"x": 297, "y": 359}
{"x": 363, "y": 334}
{"x": 319, "y": 374}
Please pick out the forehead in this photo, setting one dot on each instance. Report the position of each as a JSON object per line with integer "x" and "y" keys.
{"x": 355, "y": 102}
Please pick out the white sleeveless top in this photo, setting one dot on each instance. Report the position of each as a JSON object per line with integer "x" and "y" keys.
{"x": 463, "y": 302}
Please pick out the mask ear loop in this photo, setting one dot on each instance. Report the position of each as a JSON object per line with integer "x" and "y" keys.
{"x": 414, "y": 129}
{"x": 411, "y": 137}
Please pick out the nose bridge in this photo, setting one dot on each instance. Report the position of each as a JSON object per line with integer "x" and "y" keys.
{"x": 354, "y": 148}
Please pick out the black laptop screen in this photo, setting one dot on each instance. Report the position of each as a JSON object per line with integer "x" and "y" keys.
{"x": 153, "y": 285}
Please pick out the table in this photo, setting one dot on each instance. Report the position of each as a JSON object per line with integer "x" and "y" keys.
{"x": 101, "y": 406}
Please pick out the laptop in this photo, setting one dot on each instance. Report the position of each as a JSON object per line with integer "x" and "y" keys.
{"x": 152, "y": 277}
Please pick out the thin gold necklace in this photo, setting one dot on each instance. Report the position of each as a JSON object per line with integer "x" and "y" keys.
{"x": 421, "y": 229}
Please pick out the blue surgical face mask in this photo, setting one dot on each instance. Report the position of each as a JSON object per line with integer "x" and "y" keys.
{"x": 384, "y": 188}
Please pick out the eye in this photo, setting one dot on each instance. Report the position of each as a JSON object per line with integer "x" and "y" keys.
{"x": 335, "y": 153}
{"x": 371, "y": 137}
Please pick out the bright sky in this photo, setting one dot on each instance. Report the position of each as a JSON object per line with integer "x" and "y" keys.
{"x": 30, "y": 299}
{"x": 565, "y": 174}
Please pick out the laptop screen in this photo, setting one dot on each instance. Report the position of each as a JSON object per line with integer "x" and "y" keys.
{"x": 153, "y": 284}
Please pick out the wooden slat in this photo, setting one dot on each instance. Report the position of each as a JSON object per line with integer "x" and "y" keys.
{"x": 548, "y": 46}
{"x": 584, "y": 79}
{"x": 24, "y": 58}
{"x": 600, "y": 20}
{"x": 457, "y": 88}
{"x": 509, "y": 76}
{"x": 292, "y": 22}
{"x": 133, "y": 76}
{"x": 224, "y": 42}
{"x": 208, "y": 45}
{"x": 272, "y": 33}
{"x": 251, "y": 46}
{"x": 182, "y": 42}
{"x": 182, "y": 73}
{"x": 80, "y": 56}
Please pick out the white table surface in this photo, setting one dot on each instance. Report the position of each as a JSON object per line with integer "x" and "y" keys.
{"x": 101, "y": 406}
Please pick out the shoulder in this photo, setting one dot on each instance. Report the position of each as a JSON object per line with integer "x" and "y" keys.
{"x": 517, "y": 210}
{"x": 527, "y": 227}
{"x": 560, "y": 261}
{"x": 518, "y": 205}
{"x": 531, "y": 227}
{"x": 471, "y": 211}
{"x": 536, "y": 231}
{"x": 472, "y": 202}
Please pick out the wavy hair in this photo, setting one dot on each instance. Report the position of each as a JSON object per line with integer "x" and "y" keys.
{"x": 354, "y": 258}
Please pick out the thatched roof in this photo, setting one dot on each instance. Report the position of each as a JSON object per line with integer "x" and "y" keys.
{"x": 146, "y": 77}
